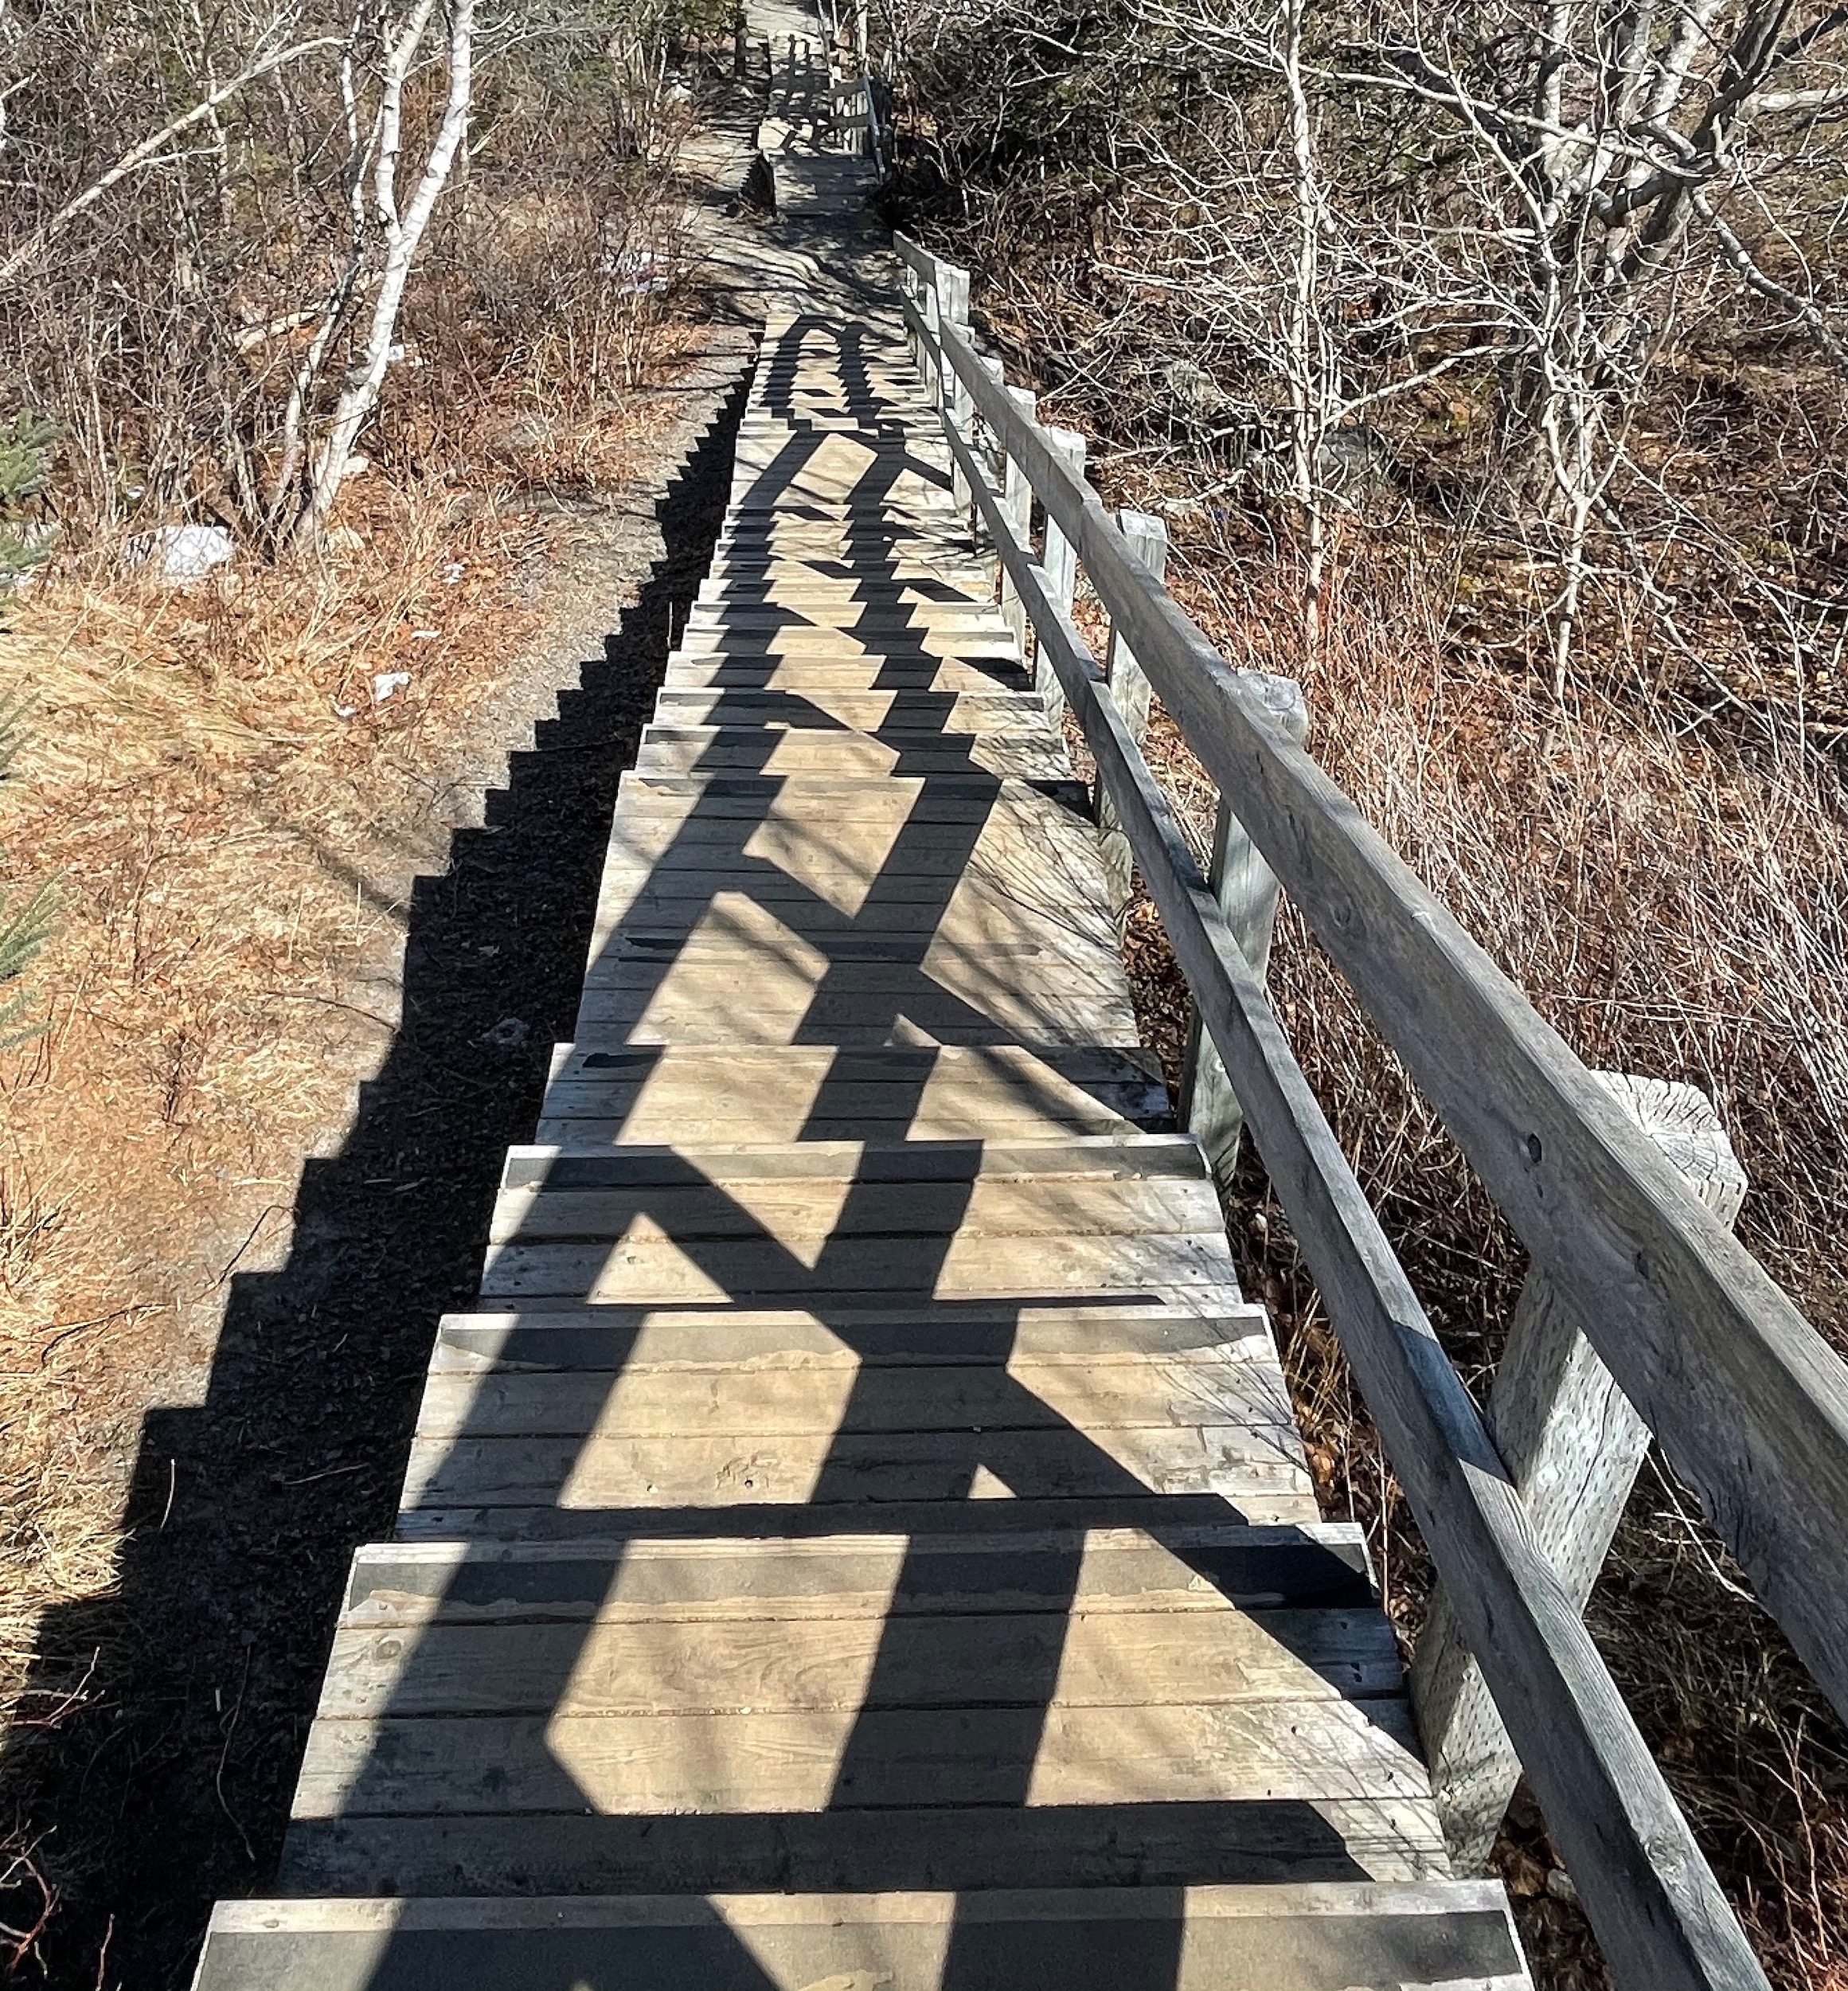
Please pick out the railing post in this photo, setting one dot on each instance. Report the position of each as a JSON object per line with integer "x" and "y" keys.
{"x": 1017, "y": 501}
{"x": 1246, "y": 889}
{"x": 1060, "y": 560}
{"x": 1147, "y": 538}
{"x": 1572, "y": 1446}
{"x": 997, "y": 373}
{"x": 953, "y": 397}
{"x": 929, "y": 302}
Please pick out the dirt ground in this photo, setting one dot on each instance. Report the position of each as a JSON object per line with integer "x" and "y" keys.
{"x": 248, "y": 1386}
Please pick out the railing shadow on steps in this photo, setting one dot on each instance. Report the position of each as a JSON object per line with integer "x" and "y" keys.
{"x": 1638, "y": 1290}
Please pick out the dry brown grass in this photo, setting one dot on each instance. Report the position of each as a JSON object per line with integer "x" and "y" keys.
{"x": 1676, "y": 907}
{"x": 228, "y": 814}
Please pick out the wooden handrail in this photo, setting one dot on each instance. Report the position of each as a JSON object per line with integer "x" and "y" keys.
{"x": 1604, "y": 1216}
{"x": 1749, "y": 1402}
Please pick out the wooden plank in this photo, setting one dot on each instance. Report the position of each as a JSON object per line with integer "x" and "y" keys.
{"x": 643, "y": 1399}
{"x": 951, "y": 798}
{"x": 1223, "y": 1753}
{"x": 677, "y": 750}
{"x": 1262, "y": 1570}
{"x": 1300, "y": 1939}
{"x": 863, "y": 834}
{"x": 975, "y": 618}
{"x": 1653, "y": 1900}
{"x": 809, "y": 1209}
{"x": 857, "y": 827}
{"x": 1253, "y": 1469}
{"x": 804, "y": 1103}
{"x": 963, "y": 907}
{"x": 800, "y": 675}
{"x": 941, "y": 971}
{"x": 1131, "y": 1846}
{"x": 609, "y": 1338}
{"x": 803, "y": 588}
{"x": 976, "y": 1016}
{"x": 1748, "y": 1401}
{"x": 1096, "y": 1070}
{"x": 646, "y": 1265}
{"x": 869, "y": 710}
{"x": 701, "y": 1663}
{"x": 895, "y": 646}
{"x": 1154, "y": 1156}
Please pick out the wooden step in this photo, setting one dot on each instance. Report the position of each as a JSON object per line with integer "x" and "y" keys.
{"x": 895, "y": 646}
{"x": 775, "y": 672}
{"x": 866, "y": 711}
{"x": 813, "y": 1091}
{"x": 806, "y": 587}
{"x": 1340, "y": 1936}
{"x": 957, "y": 1335}
{"x": 971, "y": 617}
{"x": 697, "y": 998}
{"x": 1322, "y": 1566}
{"x": 968, "y": 794}
{"x": 1131, "y": 1846}
{"x": 922, "y": 894}
{"x": 795, "y": 1761}
{"x": 682, "y": 749}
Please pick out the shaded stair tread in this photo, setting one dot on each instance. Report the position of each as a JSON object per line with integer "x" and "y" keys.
{"x": 1269, "y": 1842}
{"x": 1191, "y": 1566}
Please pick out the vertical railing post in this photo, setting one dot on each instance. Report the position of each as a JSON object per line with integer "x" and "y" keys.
{"x": 953, "y": 397}
{"x": 1060, "y": 561}
{"x": 928, "y": 302}
{"x": 1246, "y": 889}
{"x": 1572, "y": 1446}
{"x": 1147, "y": 538}
{"x": 997, "y": 373}
{"x": 1017, "y": 501}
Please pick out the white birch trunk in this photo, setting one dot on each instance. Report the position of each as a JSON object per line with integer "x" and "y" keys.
{"x": 404, "y": 234}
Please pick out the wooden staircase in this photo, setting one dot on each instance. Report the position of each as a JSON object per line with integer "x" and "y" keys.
{"x": 862, "y": 1540}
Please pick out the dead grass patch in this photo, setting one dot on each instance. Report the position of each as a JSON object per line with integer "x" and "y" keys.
{"x": 1674, "y": 906}
{"x": 229, "y": 786}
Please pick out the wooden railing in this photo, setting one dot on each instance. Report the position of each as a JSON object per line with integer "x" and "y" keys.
{"x": 857, "y": 90}
{"x": 1634, "y": 1278}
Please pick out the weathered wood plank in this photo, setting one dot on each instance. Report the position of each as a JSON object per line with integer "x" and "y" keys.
{"x": 704, "y": 1663}
{"x": 647, "y": 1265}
{"x": 742, "y": 1339}
{"x": 642, "y": 1399}
{"x": 1129, "y": 1846}
{"x": 1229, "y": 1753}
{"x": 812, "y": 1092}
{"x": 678, "y": 748}
{"x": 1255, "y": 1468}
{"x": 1260, "y": 1570}
{"x": 1054, "y": 1208}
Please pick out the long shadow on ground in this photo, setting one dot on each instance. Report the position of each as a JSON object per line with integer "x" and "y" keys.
{"x": 169, "y": 1785}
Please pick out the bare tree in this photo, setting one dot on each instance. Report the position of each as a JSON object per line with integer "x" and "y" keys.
{"x": 398, "y": 235}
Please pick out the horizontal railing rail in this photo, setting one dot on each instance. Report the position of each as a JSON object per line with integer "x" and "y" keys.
{"x": 1750, "y": 1404}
